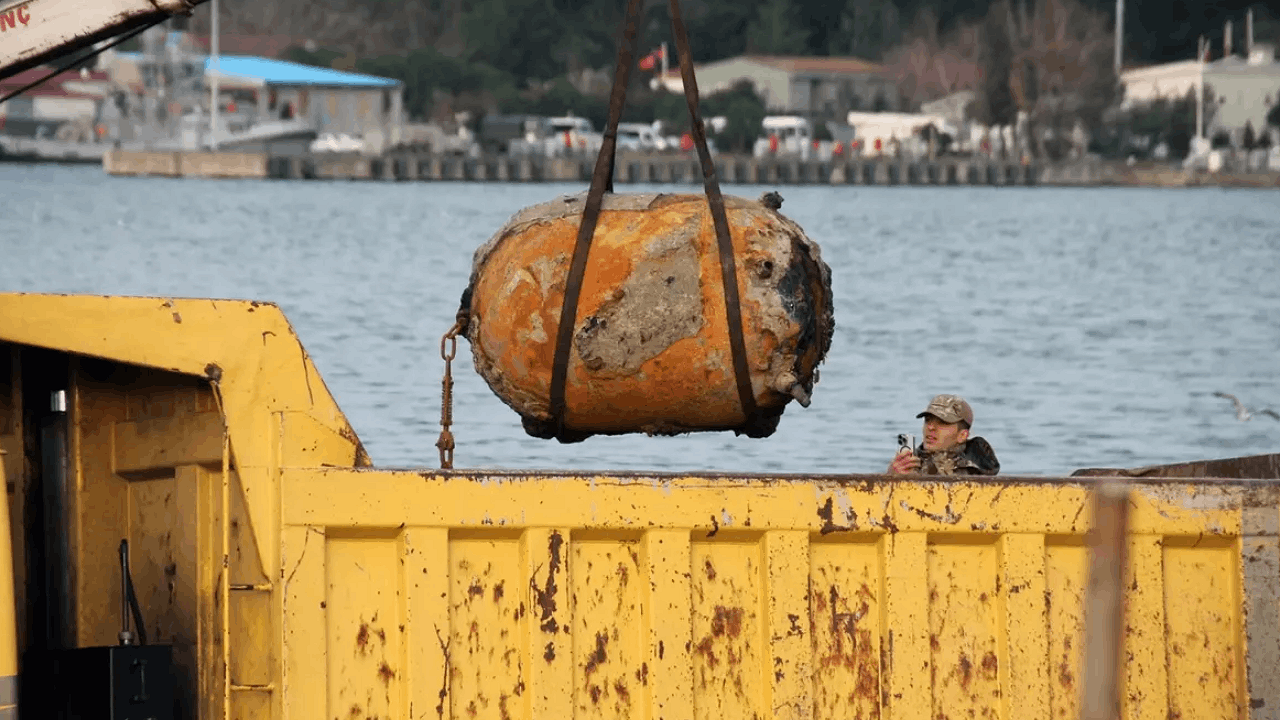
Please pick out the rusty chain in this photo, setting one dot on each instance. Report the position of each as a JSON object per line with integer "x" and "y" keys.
{"x": 448, "y": 350}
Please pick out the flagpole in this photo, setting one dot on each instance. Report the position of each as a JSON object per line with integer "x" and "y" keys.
{"x": 213, "y": 80}
{"x": 1200, "y": 50}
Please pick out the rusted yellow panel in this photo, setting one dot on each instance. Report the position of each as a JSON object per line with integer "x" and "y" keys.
{"x": 487, "y": 611}
{"x": 907, "y": 663}
{"x": 306, "y": 646}
{"x": 728, "y": 629}
{"x": 1146, "y": 690}
{"x": 8, "y": 627}
{"x": 1021, "y": 627}
{"x": 362, "y": 624}
{"x": 247, "y": 347}
{"x": 545, "y": 612}
{"x": 964, "y": 627}
{"x": 610, "y": 659}
{"x": 1066, "y": 567}
{"x": 1202, "y": 594}
{"x": 789, "y": 684}
{"x": 147, "y": 445}
{"x": 846, "y": 619}
{"x": 666, "y": 673}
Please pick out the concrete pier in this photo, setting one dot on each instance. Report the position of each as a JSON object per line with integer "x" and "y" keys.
{"x": 640, "y": 168}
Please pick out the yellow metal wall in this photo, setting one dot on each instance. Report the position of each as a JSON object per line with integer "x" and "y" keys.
{"x": 415, "y": 595}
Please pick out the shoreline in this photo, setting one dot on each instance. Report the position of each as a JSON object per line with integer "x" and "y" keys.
{"x": 647, "y": 168}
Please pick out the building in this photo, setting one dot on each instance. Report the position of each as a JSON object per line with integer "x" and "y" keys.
{"x": 816, "y": 87}
{"x": 168, "y": 86}
{"x": 1243, "y": 90}
{"x": 330, "y": 101}
{"x": 65, "y": 107}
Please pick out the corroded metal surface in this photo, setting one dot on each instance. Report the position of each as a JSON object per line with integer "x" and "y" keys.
{"x": 830, "y": 597}
{"x": 1253, "y": 466}
{"x": 650, "y": 345}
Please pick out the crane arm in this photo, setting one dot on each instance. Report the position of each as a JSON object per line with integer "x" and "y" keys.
{"x": 37, "y": 31}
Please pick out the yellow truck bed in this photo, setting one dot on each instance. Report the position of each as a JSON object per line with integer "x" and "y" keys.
{"x": 295, "y": 581}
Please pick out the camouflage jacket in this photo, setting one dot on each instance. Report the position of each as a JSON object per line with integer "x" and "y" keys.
{"x": 975, "y": 457}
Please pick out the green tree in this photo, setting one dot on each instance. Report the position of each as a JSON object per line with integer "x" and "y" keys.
{"x": 744, "y": 111}
{"x": 774, "y": 31}
{"x": 1273, "y": 116}
{"x": 994, "y": 104}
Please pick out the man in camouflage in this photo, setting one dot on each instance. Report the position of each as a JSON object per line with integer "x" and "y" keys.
{"x": 947, "y": 448}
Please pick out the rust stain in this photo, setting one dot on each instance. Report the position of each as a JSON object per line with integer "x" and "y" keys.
{"x": 622, "y": 573}
{"x": 550, "y": 653}
{"x": 704, "y": 648}
{"x": 386, "y": 673}
{"x": 444, "y": 685}
{"x": 502, "y": 707}
{"x": 965, "y": 669}
{"x": 643, "y": 674}
{"x": 545, "y": 597}
{"x": 382, "y": 636}
{"x": 362, "y": 638}
{"x": 620, "y": 689}
{"x": 826, "y": 514}
{"x": 595, "y": 694}
{"x": 710, "y": 569}
{"x": 726, "y": 621}
{"x": 355, "y": 710}
{"x": 475, "y": 589}
{"x": 498, "y": 591}
{"x": 933, "y": 642}
{"x": 599, "y": 655}
{"x": 990, "y": 665}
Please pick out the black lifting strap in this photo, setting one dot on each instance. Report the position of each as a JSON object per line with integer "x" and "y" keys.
{"x": 728, "y": 271}
{"x": 602, "y": 182}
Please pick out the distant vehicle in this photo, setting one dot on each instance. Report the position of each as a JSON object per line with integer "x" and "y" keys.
{"x": 571, "y": 133}
{"x": 339, "y": 142}
{"x": 638, "y": 136}
{"x": 785, "y": 134}
{"x": 498, "y": 133}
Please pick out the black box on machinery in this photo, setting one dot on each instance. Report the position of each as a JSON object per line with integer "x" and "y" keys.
{"x": 119, "y": 682}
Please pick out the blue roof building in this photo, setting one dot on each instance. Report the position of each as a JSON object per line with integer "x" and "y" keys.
{"x": 270, "y": 72}
{"x": 254, "y": 90}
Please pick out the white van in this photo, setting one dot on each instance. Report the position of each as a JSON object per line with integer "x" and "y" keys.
{"x": 638, "y": 136}
{"x": 794, "y": 136}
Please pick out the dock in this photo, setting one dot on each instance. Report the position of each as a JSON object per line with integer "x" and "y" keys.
{"x": 645, "y": 168}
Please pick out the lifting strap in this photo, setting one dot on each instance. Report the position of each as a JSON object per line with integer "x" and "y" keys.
{"x": 602, "y": 182}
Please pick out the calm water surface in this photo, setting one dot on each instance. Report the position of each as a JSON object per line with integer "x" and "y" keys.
{"x": 1087, "y": 327}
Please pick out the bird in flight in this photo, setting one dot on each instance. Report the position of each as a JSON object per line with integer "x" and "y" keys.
{"x": 1243, "y": 413}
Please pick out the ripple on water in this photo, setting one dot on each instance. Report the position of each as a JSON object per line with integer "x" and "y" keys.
{"x": 1088, "y": 327}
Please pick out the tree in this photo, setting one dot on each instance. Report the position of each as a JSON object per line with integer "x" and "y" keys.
{"x": 774, "y": 32}
{"x": 994, "y": 104}
{"x": 1273, "y": 116}
{"x": 743, "y": 109}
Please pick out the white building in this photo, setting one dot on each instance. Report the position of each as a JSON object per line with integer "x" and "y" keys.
{"x": 817, "y": 87}
{"x": 1243, "y": 89}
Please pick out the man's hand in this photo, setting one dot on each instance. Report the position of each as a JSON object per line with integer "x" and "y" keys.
{"x": 904, "y": 463}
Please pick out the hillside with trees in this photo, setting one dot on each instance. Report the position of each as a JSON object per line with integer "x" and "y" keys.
{"x": 1050, "y": 58}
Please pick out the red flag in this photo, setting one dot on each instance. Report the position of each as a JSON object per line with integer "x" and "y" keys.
{"x": 650, "y": 61}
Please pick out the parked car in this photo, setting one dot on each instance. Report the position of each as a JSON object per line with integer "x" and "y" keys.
{"x": 571, "y": 133}
{"x": 638, "y": 137}
{"x": 785, "y": 135}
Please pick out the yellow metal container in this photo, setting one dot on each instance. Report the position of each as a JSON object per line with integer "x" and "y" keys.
{"x": 8, "y": 620}
{"x": 295, "y": 584}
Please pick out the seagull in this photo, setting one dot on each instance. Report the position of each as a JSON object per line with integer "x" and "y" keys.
{"x": 1242, "y": 412}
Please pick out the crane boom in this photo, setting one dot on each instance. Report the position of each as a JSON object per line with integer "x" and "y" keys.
{"x": 37, "y": 31}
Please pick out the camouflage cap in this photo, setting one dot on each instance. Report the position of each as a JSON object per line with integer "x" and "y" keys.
{"x": 949, "y": 409}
